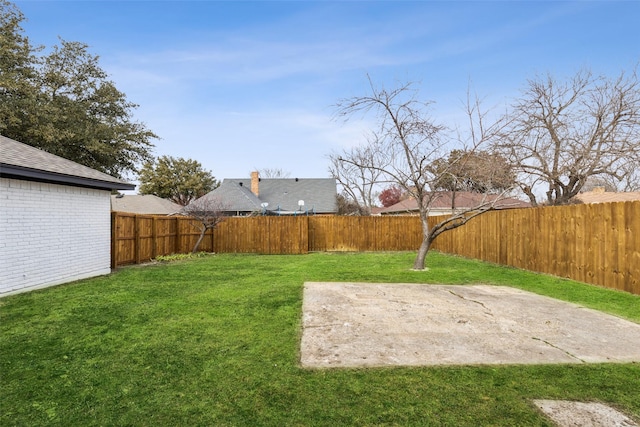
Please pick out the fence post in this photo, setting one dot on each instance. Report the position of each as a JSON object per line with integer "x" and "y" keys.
{"x": 154, "y": 237}
{"x": 176, "y": 247}
{"x": 114, "y": 237}
{"x": 136, "y": 231}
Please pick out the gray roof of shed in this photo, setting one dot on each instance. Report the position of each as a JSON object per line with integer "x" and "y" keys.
{"x": 319, "y": 194}
{"x": 22, "y": 161}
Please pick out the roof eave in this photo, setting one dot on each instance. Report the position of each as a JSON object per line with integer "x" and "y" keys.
{"x": 17, "y": 172}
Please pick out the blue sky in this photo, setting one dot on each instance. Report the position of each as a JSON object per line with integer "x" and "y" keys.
{"x": 240, "y": 85}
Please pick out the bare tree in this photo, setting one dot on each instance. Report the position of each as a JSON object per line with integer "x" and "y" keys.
{"x": 348, "y": 207}
{"x": 595, "y": 182}
{"x": 560, "y": 134}
{"x": 631, "y": 178}
{"x": 207, "y": 213}
{"x": 402, "y": 149}
{"x": 273, "y": 173}
{"x": 358, "y": 182}
{"x": 476, "y": 171}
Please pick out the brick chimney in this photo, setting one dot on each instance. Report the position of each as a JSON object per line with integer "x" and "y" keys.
{"x": 255, "y": 180}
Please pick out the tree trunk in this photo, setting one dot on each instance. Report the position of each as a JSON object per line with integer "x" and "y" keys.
{"x": 419, "y": 263}
{"x": 197, "y": 245}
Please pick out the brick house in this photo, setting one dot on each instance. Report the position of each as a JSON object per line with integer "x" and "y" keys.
{"x": 55, "y": 221}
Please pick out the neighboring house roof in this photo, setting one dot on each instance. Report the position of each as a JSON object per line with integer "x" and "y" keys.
{"x": 146, "y": 204}
{"x": 376, "y": 210}
{"x": 599, "y": 195}
{"x": 22, "y": 161}
{"x": 281, "y": 194}
{"x": 234, "y": 197}
{"x": 463, "y": 200}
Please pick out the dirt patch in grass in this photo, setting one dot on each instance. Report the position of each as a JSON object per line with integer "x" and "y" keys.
{"x": 358, "y": 324}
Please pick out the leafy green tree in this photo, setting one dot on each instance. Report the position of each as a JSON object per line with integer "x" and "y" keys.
{"x": 18, "y": 75}
{"x": 64, "y": 103}
{"x": 180, "y": 180}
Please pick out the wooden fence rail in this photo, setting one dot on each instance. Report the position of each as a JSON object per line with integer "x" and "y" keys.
{"x": 593, "y": 243}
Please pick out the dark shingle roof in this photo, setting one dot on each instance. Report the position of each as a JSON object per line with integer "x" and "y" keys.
{"x": 22, "y": 161}
{"x": 234, "y": 197}
{"x": 318, "y": 194}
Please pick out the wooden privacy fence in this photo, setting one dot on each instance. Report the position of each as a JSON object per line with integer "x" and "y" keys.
{"x": 593, "y": 243}
{"x": 140, "y": 238}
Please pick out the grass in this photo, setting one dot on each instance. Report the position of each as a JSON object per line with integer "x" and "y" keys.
{"x": 214, "y": 341}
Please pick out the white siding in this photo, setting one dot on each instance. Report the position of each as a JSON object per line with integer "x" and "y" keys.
{"x": 51, "y": 234}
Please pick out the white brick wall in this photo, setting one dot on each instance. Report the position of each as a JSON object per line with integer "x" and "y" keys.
{"x": 51, "y": 234}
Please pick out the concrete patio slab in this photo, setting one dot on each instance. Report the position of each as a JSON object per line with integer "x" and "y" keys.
{"x": 361, "y": 324}
{"x": 583, "y": 414}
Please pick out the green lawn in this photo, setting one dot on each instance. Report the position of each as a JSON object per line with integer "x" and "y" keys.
{"x": 215, "y": 341}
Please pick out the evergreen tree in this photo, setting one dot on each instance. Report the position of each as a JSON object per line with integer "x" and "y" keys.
{"x": 180, "y": 180}
{"x": 65, "y": 104}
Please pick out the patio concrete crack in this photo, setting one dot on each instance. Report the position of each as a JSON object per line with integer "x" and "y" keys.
{"x": 472, "y": 300}
{"x": 573, "y": 356}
